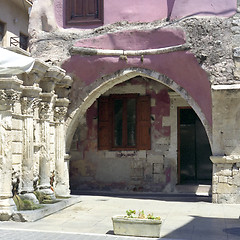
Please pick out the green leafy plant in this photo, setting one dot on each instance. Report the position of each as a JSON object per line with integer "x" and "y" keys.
{"x": 141, "y": 215}
{"x": 130, "y": 213}
{"x": 150, "y": 216}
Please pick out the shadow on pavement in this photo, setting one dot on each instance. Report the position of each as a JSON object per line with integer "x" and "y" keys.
{"x": 179, "y": 197}
{"x": 207, "y": 228}
{"x": 233, "y": 231}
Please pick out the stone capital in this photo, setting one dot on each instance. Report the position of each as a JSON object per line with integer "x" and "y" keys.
{"x": 44, "y": 110}
{"x": 9, "y": 97}
{"x": 60, "y": 110}
{"x": 60, "y": 113}
{"x": 28, "y": 105}
{"x": 10, "y": 91}
{"x": 46, "y": 105}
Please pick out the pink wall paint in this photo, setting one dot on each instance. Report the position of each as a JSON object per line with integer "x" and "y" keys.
{"x": 161, "y": 108}
{"x": 136, "y": 40}
{"x": 182, "y": 67}
{"x": 224, "y": 8}
{"x": 151, "y": 10}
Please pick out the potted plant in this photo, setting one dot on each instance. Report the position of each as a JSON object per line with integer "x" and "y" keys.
{"x": 140, "y": 225}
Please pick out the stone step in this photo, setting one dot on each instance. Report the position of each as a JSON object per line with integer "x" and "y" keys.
{"x": 198, "y": 189}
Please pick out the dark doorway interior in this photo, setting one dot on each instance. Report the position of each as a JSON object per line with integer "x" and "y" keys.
{"x": 194, "y": 165}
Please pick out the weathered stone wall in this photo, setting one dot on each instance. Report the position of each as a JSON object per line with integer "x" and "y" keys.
{"x": 226, "y": 179}
{"x": 145, "y": 170}
{"x": 213, "y": 42}
{"x": 32, "y": 109}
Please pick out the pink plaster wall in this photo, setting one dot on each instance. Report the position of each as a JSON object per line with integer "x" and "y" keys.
{"x": 151, "y": 10}
{"x": 182, "y": 67}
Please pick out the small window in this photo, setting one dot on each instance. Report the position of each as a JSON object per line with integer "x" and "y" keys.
{"x": 84, "y": 12}
{"x": 23, "y": 41}
{"x": 2, "y": 32}
{"x": 124, "y": 122}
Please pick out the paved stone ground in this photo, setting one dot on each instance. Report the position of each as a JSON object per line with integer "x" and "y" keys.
{"x": 39, "y": 235}
{"x": 183, "y": 218}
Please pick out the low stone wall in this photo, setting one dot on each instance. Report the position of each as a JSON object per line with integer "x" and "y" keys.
{"x": 226, "y": 179}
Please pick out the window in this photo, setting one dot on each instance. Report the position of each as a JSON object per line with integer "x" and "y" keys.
{"x": 124, "y": 122}
{"x": 2, "y": 32}
{"x": 83, "y": 12}
{"x": 23, "y": 41}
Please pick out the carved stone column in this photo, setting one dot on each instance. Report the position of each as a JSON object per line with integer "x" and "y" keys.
{"x": 9, "y": 93}
{"x": 29, "y": 102}
{"x": 62, "y": 184}
{"x": 45, "y": 109}
{"x": 62, "y": 90}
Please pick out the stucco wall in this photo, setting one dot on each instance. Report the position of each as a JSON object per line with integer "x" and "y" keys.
{"x": 16, "y": 19}
{"x": 180, "y": 66}
{"x": 152, "y": 10}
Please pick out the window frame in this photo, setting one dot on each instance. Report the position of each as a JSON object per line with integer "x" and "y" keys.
{"x": 107, "y": 123}
{"x": 123, "y": 97}
{"x": 23, "y": 41}
{"x": 77, "y": 21}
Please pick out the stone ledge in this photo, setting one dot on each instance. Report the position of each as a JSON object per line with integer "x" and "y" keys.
{"x": 48, "y": 209}
{"x": 225, "y": 159}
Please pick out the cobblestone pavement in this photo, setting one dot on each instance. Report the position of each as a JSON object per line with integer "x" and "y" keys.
{"x": 186, "y": 218}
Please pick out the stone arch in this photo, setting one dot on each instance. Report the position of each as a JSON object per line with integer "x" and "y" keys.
{"x": 109, "y": 81}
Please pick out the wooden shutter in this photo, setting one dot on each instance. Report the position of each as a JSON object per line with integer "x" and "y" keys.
{"x": 104, "y": 124}
{"x": 84, "y": 11}
{"x": 144, "y": 123}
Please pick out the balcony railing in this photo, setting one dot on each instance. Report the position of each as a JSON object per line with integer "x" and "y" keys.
{"x": 21, "y": 42}
{"x": 14, "y": 41}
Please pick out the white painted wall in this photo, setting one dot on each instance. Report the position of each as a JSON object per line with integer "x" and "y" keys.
{"x": 14, "y": 13}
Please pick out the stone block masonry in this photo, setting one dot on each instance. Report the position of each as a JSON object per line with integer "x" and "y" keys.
{"x": 29, "y": 135}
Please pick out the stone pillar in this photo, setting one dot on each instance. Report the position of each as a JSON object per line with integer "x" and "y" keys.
{"x": 226, "y": 179}
{"x": 9, "y": 93}
{"x": 62, "y": 180}
{"x": 45, "y": 108}
{"x": 62, "y": 184}
{"x": 226, "y": 143}
{"x": 29, "y": 101}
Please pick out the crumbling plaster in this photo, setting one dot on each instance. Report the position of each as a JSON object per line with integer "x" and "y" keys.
{"x": 212, "y": 51}
{"x": 154, "y": 170}
{"x": 212, "y": 41}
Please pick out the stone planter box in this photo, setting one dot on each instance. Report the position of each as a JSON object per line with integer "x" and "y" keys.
{"x": 136, "y": 227}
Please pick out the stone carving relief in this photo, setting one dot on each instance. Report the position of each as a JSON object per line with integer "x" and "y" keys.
{"x": 60, "y": 113}
{"x": 28, "y": 105}
{"x": 9, "y": 96}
